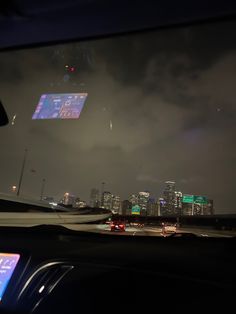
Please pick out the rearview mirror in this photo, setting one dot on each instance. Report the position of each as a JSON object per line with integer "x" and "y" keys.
{"x": 3, "y": 116}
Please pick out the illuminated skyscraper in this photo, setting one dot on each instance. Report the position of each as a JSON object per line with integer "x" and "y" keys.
{"x": 133, "y": 199}
{"x": 107, "y": 200}
{"x": 116, "y": 204}
{"x": 68, "y": 199}
{"x": 169, "y": 198}
{"x": 161, "y": 206}
{"x": 152, "y": 207}
{"x": 178, "y": 202}
{"x": 143, "y": 198}
{"x": 209, "y": 209}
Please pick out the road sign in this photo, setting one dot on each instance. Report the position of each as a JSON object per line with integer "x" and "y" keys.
{"x": 187, "y": 198}
{"x": 198, "y": 199}
{"x": 136, "y": 210}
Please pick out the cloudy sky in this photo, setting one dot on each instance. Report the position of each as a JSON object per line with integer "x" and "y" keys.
{"x": 160, "y": 106}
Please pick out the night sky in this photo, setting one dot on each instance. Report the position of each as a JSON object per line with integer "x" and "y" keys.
{"x": 160, "y": 106}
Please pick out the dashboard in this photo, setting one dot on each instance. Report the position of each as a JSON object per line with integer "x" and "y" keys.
{"x": 50, "y": 269}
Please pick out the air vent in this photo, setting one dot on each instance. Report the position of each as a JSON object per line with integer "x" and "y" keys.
{"x": 41, "y": 283}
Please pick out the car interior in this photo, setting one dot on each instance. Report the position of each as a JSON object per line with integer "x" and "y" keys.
{"x": 57, "y": 270}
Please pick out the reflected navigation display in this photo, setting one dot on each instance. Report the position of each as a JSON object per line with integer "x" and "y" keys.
{"x": 60, "y": 106}
{"x": 7, "y": 265}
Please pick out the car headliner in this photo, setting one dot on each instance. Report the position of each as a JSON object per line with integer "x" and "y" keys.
{"x": 38, "y": 22}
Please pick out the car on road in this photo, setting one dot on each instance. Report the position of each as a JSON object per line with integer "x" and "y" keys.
{"x": 169, "y": 228}
{"x": 117, "y": 226}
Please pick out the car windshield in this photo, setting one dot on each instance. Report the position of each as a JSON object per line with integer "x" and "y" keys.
{"x": 136, "y": 128}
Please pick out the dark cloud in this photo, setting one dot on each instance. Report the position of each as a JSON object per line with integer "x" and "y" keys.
{"x": 168, "y": 94}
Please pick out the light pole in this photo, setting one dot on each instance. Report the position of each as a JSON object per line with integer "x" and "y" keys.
{"x": 22, "y": 172}
{"x": 42, "y": 189}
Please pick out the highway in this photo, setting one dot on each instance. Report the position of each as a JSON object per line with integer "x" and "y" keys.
{"x": 148, "y": 231}
{"x": 26, "y": 220}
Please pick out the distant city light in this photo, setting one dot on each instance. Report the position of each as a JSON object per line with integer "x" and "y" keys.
{"x": 53, "y": 203}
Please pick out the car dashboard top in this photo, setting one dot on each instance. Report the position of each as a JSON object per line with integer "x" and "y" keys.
{"x": 49, "y": 268}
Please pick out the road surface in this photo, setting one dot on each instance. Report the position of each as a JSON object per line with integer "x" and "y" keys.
{"x": 148, "y": 231}
{"x": 23, "y": 221}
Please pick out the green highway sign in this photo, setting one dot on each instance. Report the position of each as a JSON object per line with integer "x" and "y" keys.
{"x": 187, "y": 198}
{"x": 136, "y": 210}
{"x": 198, "y": 199}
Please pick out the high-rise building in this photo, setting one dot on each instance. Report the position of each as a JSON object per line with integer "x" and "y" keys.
{"x": 107, "y": 200}
{"x": 143, "y": 198}
{"x": 68, "y": 199}
{"x": 161, "y": 206}
{"x": 116, "y": 203}
{"x": 133, "y": 199}
{"x": 209, "y": 208}
{"x": 187, "y": 209}
{"x": 203, "y": 209}
{"x": 169, "y": 193}
{"x": 126, "y": 207}
{"x": 94, "y": 198}
{"x": 152, "y": 207}
{"x": 169, "y": 198}
{"x": 178, "y": 202}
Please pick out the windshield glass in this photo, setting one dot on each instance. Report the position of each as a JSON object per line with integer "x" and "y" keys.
{"x": 138, "y": 126}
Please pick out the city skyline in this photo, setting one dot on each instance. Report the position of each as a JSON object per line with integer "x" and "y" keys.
{"x": 169, "y": 202}
{"x": 13, "y": 189}
{"x": 96, "y": 196}
{"x": 128, "y": 194}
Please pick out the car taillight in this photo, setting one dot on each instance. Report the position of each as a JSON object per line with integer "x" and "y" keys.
{"x": 122, "y": 226}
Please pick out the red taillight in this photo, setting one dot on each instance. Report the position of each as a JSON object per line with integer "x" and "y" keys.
{"x": 112, "y": 225}
{"x": 122, "y": 226}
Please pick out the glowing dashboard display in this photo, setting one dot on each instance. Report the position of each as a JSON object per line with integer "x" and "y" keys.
{"x": 8, "y": 263}
{"x": 60, "y": 106}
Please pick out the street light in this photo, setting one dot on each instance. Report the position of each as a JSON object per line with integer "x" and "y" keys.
{"x": 13, "y": 188}
{"x": 22, "y": 172}
{"x": 42, "y": 189}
